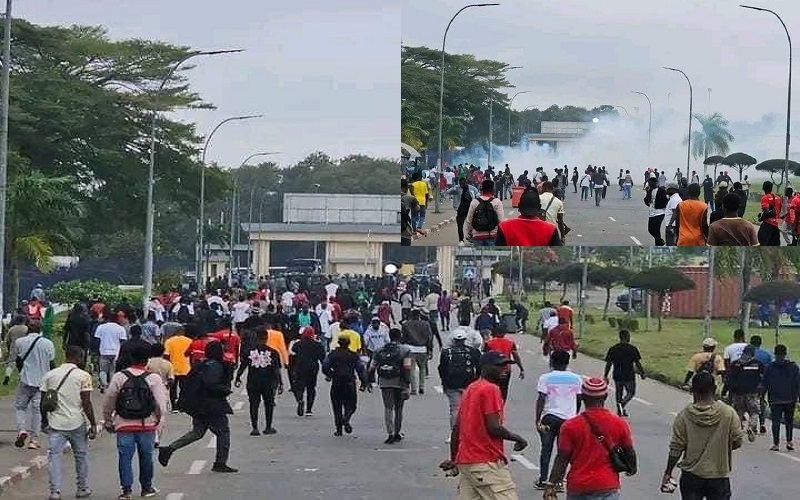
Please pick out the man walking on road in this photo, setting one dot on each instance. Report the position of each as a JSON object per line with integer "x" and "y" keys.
{"x": 691, "y": 219}
{"x": 705, "y": 361}
{"x": 445, "y": 307}
{"x": 484, "y": 216}
{"x": 508, "y": 348}
{"x": 703, "y": 436}
{"x": 341, "y": 367}
{"x": 559, "y": 400}
{"x": 458, "y": 367}
{"x": 307, "y": 355}
{"x": 263, "y": 365}
{"x": 584, "y": 444}
{"x": 627, "y": 361}
{"x": 476, "y": 440}
{"x": 562, "y": 338}
{"x": 744, "y": 381}
{"x": 463, "y": 194}
{"x": 600, "y": 182}
{"x": 64, "y": 421}
{"x": 392, "y": 363}
{"x": 782, "y": 384}
{"x": 417, "y": 335}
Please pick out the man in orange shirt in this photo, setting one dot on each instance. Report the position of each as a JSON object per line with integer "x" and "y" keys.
{"x": 175, "y": 348}
{"x": 276, "y": 341}
{"x": 691, "y": 219}
{"x": 565, "y": 311}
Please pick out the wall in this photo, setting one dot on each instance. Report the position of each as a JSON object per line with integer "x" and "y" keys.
{"x": 340, "y": 208}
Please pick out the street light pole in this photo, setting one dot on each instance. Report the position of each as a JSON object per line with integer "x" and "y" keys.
{"x": 650, "y": 125}
{"x": 789, "y": 98}
{"x": 147, "y": 282}
{"x": 4, "y": 100}
{"x": 489, "y": 160}
{"x": 691, "y": 102}
{"x": 199, "y": 264}
{"x": 441, "y": 102}
{"x": 510, "y": 111}
{"x": 623, "y": 108}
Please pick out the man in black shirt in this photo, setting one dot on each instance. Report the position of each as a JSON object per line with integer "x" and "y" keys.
{"x": 307, "y": 354}
{"x": 626, "y": 360}
{"x": 341, "y": 367}
{"x": 263, "y": 377}
{"x": 737, "y": 188}
{"x": 708, "y": 192}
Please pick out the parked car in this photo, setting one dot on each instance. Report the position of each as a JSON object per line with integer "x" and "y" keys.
{"x": 638, "y": 299}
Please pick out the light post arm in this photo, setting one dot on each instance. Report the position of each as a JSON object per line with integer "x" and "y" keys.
{"x": 691, "y": 102}
{"x": 510, "y": 111}
{"x": 650, "y": 123}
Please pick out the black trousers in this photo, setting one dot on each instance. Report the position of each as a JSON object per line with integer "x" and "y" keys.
{"x": 344, "y": 398}
{"x": 696, "y": 488}
{"x": 218, "y": 425}
{"x": 782, "y": 412}
{"x": 405, "y": 242}
{"x": 769, "y": 235}
{"x": 445, "y": 318}
{"x": 654, "y": 228}
{"x": 625, "y": 391}
{"x": 460, "y": 218}
{"x": 504, "y": 381}
{"x": 256, "y": 394}
{"x": 305, "y": 383}
{"x": 173, "y": 391}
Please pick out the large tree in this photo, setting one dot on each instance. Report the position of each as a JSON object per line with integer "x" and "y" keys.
{"x": 712, "y": 138}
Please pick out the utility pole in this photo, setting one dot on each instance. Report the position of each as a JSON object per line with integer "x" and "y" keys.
{"x": 584, "y": 283}
{"x": 4, "y": 99}
{"x": 710, "y": 293}
{"x": 491, "y": 101}
{"x": 649, "y": 265}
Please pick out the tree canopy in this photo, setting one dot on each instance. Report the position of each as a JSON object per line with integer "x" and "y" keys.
{"x": 713, "y": 136}
{"x": 740, "y": 162}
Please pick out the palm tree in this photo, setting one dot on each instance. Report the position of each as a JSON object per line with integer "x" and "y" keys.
{"x": 712, "y": 138}
{"x": 412, "y": 131}
{"x": 42, "y": 215}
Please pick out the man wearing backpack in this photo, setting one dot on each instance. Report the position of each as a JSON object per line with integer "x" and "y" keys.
{"x": 484, "y": 216}
{"x": 705, "y": 361}
{"x": 134, "y": 408}
{"x": 418, "y": 336}
{"x": 392, "y": 364}
{"x": 744, "y": 382}
{"x": 458, "y": 367}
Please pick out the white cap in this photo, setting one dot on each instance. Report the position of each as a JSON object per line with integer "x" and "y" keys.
{"x": 459, "y": 334}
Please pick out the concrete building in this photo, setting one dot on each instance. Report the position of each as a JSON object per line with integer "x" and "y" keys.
{"x": 557, "y": 134}
{"x": 459, "y": 263}
{"x": 350, "y": 231}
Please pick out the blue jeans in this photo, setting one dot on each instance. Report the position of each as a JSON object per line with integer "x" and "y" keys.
{"x": 143, "y": 443}
{"x": 548, "y": 441}
{"x": 489, "y": 242}
{"x": 626, "y": 192}
{"x": 599, "y": 495}
{"x": 80, "y": 444}
{"x": 418, "y": 218}
{"x": 584, "y": 193}
{"x": 26, "y": 406}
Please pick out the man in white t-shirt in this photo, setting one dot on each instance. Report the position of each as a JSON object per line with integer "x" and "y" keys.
{"x": 553, "y": 207}
{"x": 670, "y": 233}
{"x": 111, "y": 336}
{"x": 240, "y": 312}
{"x": 449, "y": 177}
{"x": 432, "y": 306}
{"x": 287, "y": 301}
{"x": 734, "y": 351}
{"x": 331, "y": 289}
{"x": 559, "y": 400}
{"x": 216, "y": 299}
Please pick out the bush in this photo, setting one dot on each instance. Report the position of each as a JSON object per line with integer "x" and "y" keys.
{"x": 630, "y": 324}
{"x": 612, "y": 322}
{"x": 69, "y": 292}
{"x": 590, "y": 319}
{"x": 166, "y": 281}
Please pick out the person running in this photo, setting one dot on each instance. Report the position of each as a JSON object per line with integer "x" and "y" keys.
{"x": 704, "y": 434}
{"x": 307, "y": 356}
{"x": 627, "y": 361}
{"x": 559, "y": 400}
{"x": 553, "y": 208}
{"x": 691, "y": 219}
{"x": 476, "y": 440}
{"x": 175, "y": 348}
{"x": 34, "y": 356}
{"x": 656, "y": 199}
{"x": 743, "y": 382}
{"x": 164, "y": 369}
{"x": 671, "y": 231}
{"x": 462, "y": 194}
{"x": 263, "y": 365}
{"x": 418, "y": 336}
{"x": 705, "y": 361}
{"x": 734, "y": 351}
{"x": 205, "y": 399}
{"x": 134, "y": 409}
{"x": 392, "y": 364}
{"x": 627, "y": 185}
{"x": 465, "y": 310}
{"x": 421, "y": 191}
{"x": 508, "y": 348}
{"x": 565, "y": 311}
{"x": 561, "y": 337}
{"x": 484, "y": 216}
{"x": 731, "y": 229}
{"x": 586, "y": 184}
{"x": 458, "y": 367}
{"x": 64, "y": 420}
{"x": 544, "y": 315}
{"x": 584, "y": 444}
{"x": 529, "y": 229}
{"x": 781, "y": 383}
{"x": 341, "y": 367}
{"x": 768, "y": 232}
{"x": 111, "y": 335}
{"x": 600, "y": 182}
{"x": 766, "y": 358}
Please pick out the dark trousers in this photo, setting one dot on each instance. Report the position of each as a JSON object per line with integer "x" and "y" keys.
{"x": 575, "y": 186}
{"x": 625, "y": 391}
{"x": 173, "y": 391}
{"x": 405, "y": 242}
{"x": 460, "y": 218}
{"x": 305, "y": 383}
{"x": 654, "y": 228}
{"x": 218, "y": 425}
{"x": 769, "y": 235}
{"x": 697, "y": 488}
{"x": 445, "y": 318}
{"x": 548, "y": 437}
{"x": 782, "y": 412}
{"x": 605, "y": 189}
{"x": 256, "y": 394}
{"x": 343, "y": 400}
{"x": 504, "y": 381}
{"x": 598, "y": 195}
{"x": 405, "y": 314}
{"x": 393, "y": 409}
{"x": 584, "y": 193}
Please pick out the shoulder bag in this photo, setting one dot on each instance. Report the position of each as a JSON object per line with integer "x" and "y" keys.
{"x": 50, "y": 398}
{"x": 20, "y": 362}
{"x": 620, "y": 459}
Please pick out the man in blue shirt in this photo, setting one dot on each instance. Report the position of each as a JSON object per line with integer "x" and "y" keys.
{"x": 765, "y": 357}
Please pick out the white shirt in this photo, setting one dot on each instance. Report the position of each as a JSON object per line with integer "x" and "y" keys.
{"x": 287, "y": 299}
{"x": 560, "y": 389}
{"x": 449, "y": 176}
{"x": 68, "y": 415}
{"x": 325, "y": 316}
{"x": 586, "y": 180}
{"x": 216, "y": 299}
{"x": 551, "y": 322}
{"x": 111, "y": 336}
{"x": 432, "y": 302}
{"x": 241, "y": 311}
{"x": 655, "y": 212}
{"x": 331, "y": 289}
{"x": 672, "y": 204}
{"x": 556, "y": 207}
{"x": 734, "y": 351}
{"x": 406, "y": 300}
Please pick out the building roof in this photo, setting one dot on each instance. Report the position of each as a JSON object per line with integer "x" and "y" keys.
{"x": 552, "y": 137}
{"x": 309, "y": 227}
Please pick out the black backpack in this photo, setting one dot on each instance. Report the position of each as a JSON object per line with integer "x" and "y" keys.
{"x": 192, "y": 390}
{"x": 183, "y": 315}
{"x": 461, "y": 368}
{"x": 135, "y": 400}
{"x": 405, "y": 219}
{"x": 485, "y": 218}
{"x": 707, "y": 365}
{"x": 389, "y": 361}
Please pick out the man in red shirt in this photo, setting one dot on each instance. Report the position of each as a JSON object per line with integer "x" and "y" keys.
{"x": 768, "y": 233}
{"x": 793, "y": 216}
{"x": 565, "y": 311}
{"x": 230, "y": 342}
{"x": 529, "y": 229}
{"x": 561, "y": 338}
{"x": 505, "y": 346}
{"x": 476, "y": 441}
{"x": 583, "y": 445}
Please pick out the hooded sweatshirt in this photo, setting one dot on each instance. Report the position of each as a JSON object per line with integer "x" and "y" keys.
{"x": 704, "y": 436}
{"x": 782, "y": 381}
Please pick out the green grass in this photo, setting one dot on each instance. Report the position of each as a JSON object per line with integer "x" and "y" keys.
{"x": 58, "y": 323}
{"x": 752, "y": 210}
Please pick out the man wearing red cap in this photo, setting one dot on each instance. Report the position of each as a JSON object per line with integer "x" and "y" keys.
{"x": 586, "y": 444}
{"x": 307, "y": 356}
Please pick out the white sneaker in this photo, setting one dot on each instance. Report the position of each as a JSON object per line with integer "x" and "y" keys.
{"x": 447, "y": 440}
{"x": 461, "y": 243}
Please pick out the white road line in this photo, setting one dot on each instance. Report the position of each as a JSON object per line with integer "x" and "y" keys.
{"x": 439, "y": 389}
{"x": 612, "y": 219}
{"x": 525, "y": 462}
{"x": 212, "y": 443}
{"x": 580, "y": 236}
{"x": 643, "y": 401}
{"x": 789, "y": 456}
{"x": 238, "y": 406}
{"x": 673, "y": 413}
{"x": 175, "y": 496}
{"x": 197, "y": 467}
{"x": 636, "y": 240}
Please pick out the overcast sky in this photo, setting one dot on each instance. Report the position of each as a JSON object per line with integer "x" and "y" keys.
{"x": 591, "y": 52}
{"x": 324, "y": 74}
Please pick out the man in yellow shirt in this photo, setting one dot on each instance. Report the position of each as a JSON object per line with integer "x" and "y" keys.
{"x": 175, "y": 349}
{"x": 421, "y": 191}
{"x": 355, "y": 338}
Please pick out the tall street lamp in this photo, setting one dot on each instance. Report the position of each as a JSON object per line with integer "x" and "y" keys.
{"x": 689, "y": 141}
{"x": 622, "y": 108}
{"x": 526, "y": 123}
{"x": 509, "y": 113}
{"x": 150, "y": 211}
{"x": 789, "y": 98}
{"x": 4, "y": 99}
{"x": 650, "y": 126}
{"x": 199, "y": 264}
{"x": 441, "y": 102}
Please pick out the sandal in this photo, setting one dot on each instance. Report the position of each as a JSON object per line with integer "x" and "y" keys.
{"x": 33, "y": 445}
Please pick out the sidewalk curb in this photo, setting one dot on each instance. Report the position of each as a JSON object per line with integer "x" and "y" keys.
{"x": 435, "y": 228}
{"x": 22, "y": 472}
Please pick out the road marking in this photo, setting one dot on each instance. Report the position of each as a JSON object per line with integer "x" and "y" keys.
{"x": 612, "y": 219}
{"x": 175, "y": 496}
{"x": 673, "y": 413}
{"x": 525, "y": 462}
{"x": 580, "y": 236}
{"x": 238, "y": 406}
{"x": 212, "y": 443}
{"x": 636, "y": 240}
{"x": 789, "y": 456}
{"x": 438, "y": 388}
{"x": 197, "y": 467}
{"x": 643, "y": 401}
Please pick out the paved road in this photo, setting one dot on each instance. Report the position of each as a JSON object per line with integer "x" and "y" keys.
{"x": 304, "y": 461}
